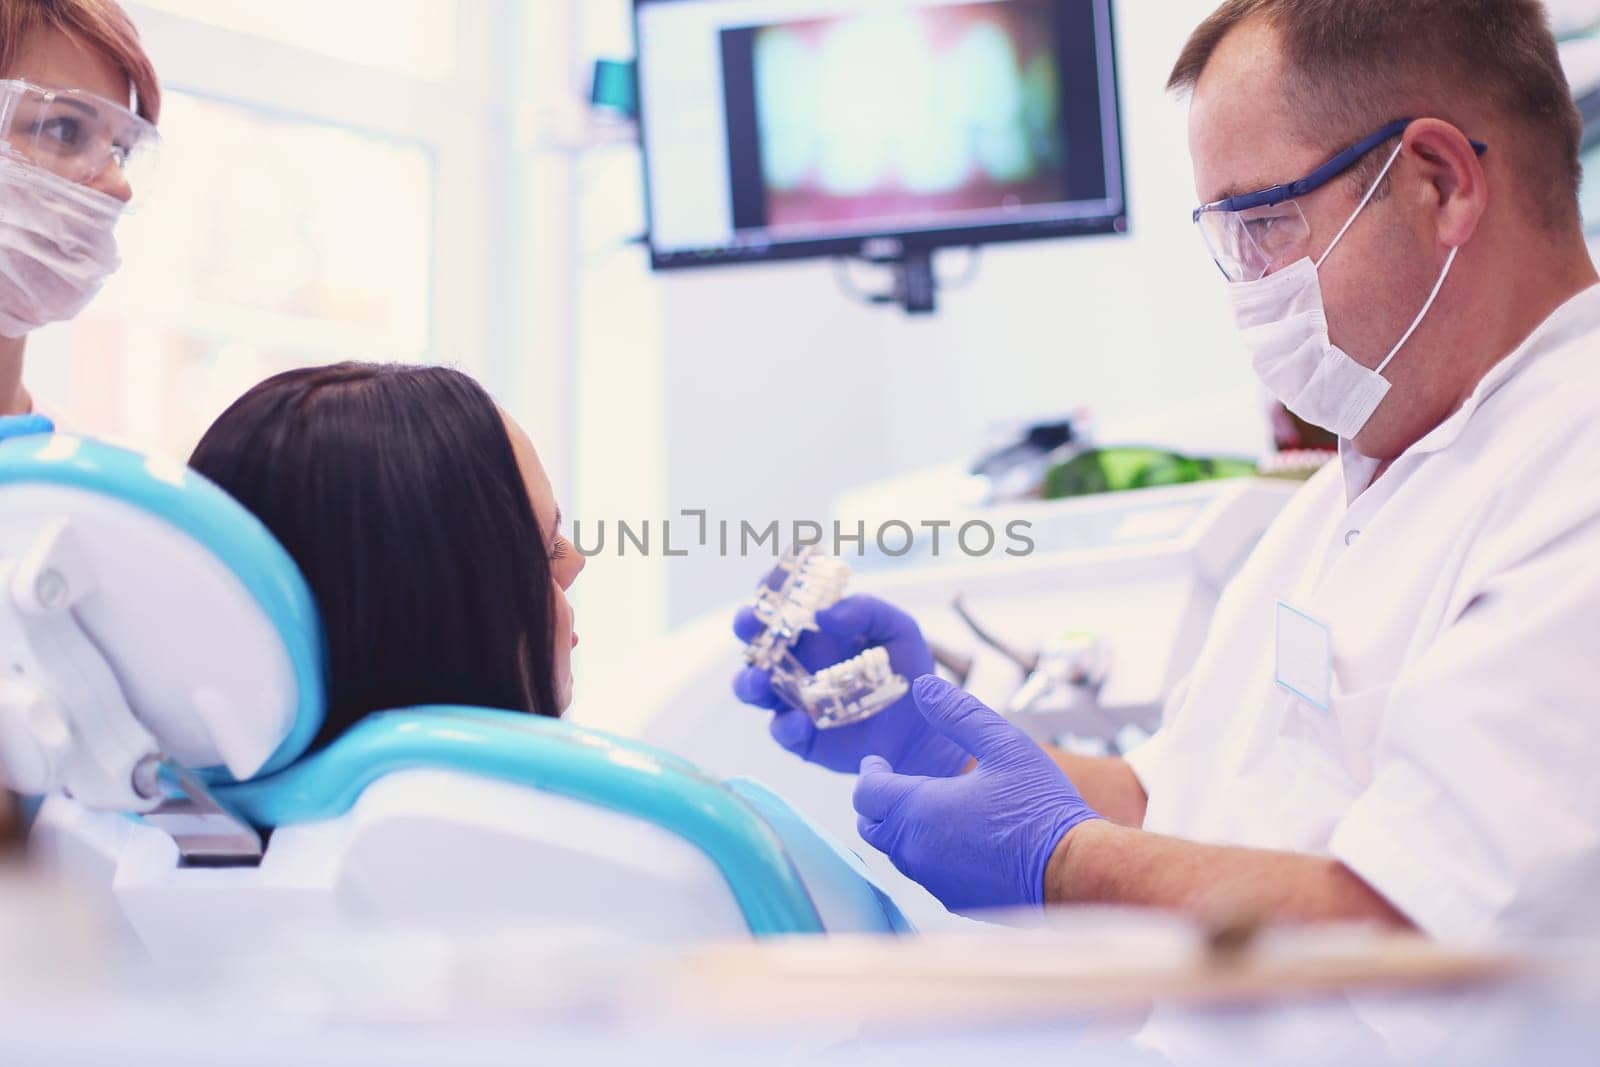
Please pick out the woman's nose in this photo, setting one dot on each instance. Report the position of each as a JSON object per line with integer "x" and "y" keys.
{"x": 575, "y": 568}
{"x": 113, "y": 182}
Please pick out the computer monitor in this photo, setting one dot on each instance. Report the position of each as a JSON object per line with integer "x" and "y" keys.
{"x": 776, "y": 129}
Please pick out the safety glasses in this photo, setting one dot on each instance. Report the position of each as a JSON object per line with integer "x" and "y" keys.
{"x": 77, "y": 135}
{"x": 1250, "y": 235}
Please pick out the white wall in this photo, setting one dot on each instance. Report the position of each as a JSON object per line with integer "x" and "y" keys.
{"x": 760, "y": 392}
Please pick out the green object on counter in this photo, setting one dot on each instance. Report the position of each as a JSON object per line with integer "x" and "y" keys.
{"x": 1114, "y": 470}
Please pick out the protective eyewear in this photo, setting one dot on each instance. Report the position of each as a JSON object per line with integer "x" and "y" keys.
{"x": 1249, "y": 235}
{"x": 76, "y": 135}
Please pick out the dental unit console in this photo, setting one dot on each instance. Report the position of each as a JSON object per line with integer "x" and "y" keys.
{"x": 161, "y": 683}
{"x": 804, "y": 583}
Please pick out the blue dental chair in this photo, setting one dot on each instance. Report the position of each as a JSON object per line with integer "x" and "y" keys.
{"x": 162, "y": 679}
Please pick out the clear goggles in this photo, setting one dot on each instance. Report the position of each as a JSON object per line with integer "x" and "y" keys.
{"x": 1250, "y": 244}
{"x": 1251, "y": 236}
{"x": 77, "y": 135}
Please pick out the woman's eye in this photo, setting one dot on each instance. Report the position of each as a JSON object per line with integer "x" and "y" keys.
{"x": 559, "y": 549}
{"x": 62, "y": 133}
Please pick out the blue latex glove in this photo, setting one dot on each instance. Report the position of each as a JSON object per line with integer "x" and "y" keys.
{"x": 982, "y": 840}
{"x": 899, "y": 732}
{"x": 24, "y": 426}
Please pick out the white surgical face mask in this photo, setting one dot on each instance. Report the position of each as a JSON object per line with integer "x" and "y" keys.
{"x": 56, "y": 246}
{"x": 1285, "y": 328}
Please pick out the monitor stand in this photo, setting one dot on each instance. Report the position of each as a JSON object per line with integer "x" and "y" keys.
{"x": 913, "y": 284}
{"x": 916, "y": 287}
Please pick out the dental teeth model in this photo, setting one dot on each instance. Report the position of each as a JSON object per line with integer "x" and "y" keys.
{"x": 804, "y": 583}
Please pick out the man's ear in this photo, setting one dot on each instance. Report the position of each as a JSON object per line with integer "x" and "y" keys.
{"x": 1456, "y": 189}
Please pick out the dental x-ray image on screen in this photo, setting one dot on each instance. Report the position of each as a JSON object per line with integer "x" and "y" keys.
{"x": 895, "y": 113}
{"x": 781, "y": 128}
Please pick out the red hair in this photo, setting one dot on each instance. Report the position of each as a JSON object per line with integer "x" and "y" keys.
{"x": 101, "y": 24}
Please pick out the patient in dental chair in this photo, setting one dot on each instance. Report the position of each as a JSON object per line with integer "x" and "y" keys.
{"x": 424, "y": 524}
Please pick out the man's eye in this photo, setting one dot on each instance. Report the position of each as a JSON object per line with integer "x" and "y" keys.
{"x": 1260, "y": 229}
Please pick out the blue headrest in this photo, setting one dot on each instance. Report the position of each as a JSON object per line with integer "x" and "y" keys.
{"x": 24, "y": 426}
{"x": 219, "y": 525}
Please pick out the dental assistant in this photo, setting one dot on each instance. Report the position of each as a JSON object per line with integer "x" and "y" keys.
{"x": 79, "y": 100}
{"x": 1396, "y": 714}
{"x": 69, "y": 145}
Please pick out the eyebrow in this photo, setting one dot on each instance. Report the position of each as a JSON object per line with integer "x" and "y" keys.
{"x": 86, "y": 108}
{"x": 558, "y": 518}
{"x": 1239, "y": 190}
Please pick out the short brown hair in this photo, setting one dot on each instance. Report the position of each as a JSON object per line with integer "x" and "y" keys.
{"x": 101, "y": 24}
{"x": 1356, "y": 63}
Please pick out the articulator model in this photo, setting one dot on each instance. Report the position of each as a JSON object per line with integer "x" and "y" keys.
{"x": 787, "y": 602}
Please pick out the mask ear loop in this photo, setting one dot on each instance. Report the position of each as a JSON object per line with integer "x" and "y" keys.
{"x": 1439, "y": 285}
{"x": 1364, "y": 202}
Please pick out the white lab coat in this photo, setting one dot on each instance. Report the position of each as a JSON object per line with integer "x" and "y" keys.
{"x": 1458, "y": 768}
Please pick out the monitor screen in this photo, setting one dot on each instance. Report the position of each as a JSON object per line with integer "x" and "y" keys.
{"x": 784, "y": 128}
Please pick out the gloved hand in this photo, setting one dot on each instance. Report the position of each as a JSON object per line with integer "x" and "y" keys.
{"x": 899, "y": 732}
{"x": 982, "y": 840}
{"x": 24, "y": 426}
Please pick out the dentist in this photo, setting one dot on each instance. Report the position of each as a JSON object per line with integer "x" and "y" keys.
{"x": 72, "y": 73}
{"x": 1396, "y": 715}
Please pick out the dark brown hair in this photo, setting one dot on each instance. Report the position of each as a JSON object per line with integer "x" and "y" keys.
{"x": 397, "y": 492}
{"x": 1357, "y": 64}
{"x": 100, "y": 24}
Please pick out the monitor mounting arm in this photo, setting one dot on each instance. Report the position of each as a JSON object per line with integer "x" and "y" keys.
{"x": 914, "y": 284}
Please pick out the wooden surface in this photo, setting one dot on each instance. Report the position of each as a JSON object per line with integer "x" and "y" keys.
{"x": 963, "y": 979}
